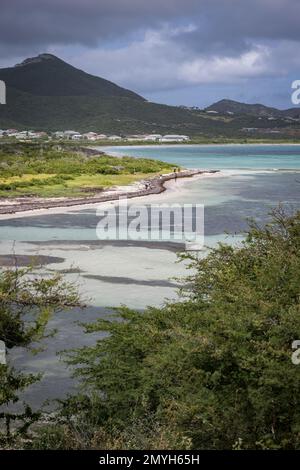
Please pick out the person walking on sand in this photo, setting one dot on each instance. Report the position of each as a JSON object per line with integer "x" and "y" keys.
{"x": 175, "y": 174}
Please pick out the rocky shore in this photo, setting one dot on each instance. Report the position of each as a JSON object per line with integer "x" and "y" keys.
{"x": 153, "y": 185}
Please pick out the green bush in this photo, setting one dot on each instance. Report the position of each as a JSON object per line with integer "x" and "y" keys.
{"x": 22, "y": 159}
{"x": 35, "y": 182}
{"x": 27, "y": 302}
{"x": 214, "y": 368}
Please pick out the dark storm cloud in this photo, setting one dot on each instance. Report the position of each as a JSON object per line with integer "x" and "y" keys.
{"x": 86, "y": 22}
{"x": 164, "y": 49}
{"x": 221, "y": 25}
{"x": 231, "y": 26}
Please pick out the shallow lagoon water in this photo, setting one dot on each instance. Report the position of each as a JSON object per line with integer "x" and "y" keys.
{"x": 112, "y": 273}
{"x": 235, "y": 156}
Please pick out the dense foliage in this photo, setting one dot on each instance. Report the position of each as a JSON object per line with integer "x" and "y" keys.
{"x": 212, "y": 371}
{"x": 27, "y": 302}
{"x": 26, "y": 159}
{"x": 46, "y": 169}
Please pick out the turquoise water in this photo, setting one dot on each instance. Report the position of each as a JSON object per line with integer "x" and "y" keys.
{"x": 258, "y": 157}
{"x": 114, "y": 273}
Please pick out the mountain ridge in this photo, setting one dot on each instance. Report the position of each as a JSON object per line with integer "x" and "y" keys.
{"x": 47, "y": 75}
{"x": 231, "y": 106}
{"x": 46, "y": 93}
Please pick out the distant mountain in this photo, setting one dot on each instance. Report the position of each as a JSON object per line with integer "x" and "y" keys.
{"x": 47, "y": 75}
{"x": 230, "y": 106}
{"x": 46, "y": 93}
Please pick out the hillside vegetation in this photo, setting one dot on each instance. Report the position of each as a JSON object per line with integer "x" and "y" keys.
{"x": 51, "y": 170}
{"x": 46, "y": 93}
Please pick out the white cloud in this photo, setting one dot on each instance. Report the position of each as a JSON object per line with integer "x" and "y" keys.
{"x": 226, "y": 69}
{"x": 157, "y": 61}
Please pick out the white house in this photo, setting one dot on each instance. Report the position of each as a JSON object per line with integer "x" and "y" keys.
{"x": 21, "y": 135}
{"x": 135, "y": 138}
{"x": 90, "y": 136}
{"x": 174, "y": 138}
{"x": 37, "y": 134}
{"x": 101, "y": 136}
{"x": 153, "y": 137}
{"x": 69, "y": 134}
{"x": 76, "y": 137}
{"x": 58, "y": 135}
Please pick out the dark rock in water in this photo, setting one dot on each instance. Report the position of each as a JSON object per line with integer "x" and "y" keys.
{"x": 26, "y": 260}
{"x": 129, "y": 281}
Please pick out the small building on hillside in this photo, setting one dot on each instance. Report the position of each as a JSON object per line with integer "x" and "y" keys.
{"x": 135, "y": 137}
{"x": 76, "y": 137}
{"x": 69, "y": 134}
{"x": 174, "y": 138}
{"x": 58, "y": 135}
{"x": 90, "y": 136}
{"x": 101, "y": 136}
{"x": 153, "y": 137}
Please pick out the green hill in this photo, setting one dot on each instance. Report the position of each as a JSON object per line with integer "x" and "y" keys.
{"x": 46, "y": 93}
{"x": 47, "y": 75}
{"x": 259, "y": 110}
{"x": 231, "y": 106}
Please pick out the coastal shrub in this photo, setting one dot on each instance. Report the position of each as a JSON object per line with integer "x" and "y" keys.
{"x": 144, "y": 434}
{"x": 48, "y": 160}
{"x": 27, "y": 302}
{"x": 35, "y": 182}
{"x": 58, "y": 165}
{"x": 215, "y": 368}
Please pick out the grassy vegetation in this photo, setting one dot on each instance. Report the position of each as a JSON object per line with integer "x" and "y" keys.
{"x": 48, "y": 170}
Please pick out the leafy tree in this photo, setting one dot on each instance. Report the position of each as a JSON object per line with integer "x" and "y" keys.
{"x": 215, "y": 368}
{"x": 27, "y": 302}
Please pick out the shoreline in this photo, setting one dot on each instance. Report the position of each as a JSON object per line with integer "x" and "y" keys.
{"x": 153, "y": 186}
{"x": 125, "y": 145}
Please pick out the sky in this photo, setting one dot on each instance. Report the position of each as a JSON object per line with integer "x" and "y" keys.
{"x": 181, "y": 52}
